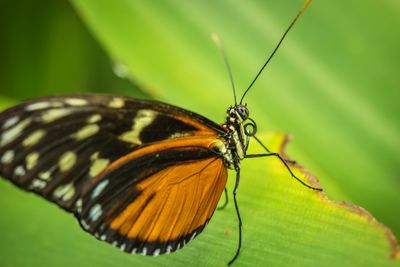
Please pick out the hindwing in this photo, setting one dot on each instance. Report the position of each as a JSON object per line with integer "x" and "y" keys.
{"x": 157, "y": 198}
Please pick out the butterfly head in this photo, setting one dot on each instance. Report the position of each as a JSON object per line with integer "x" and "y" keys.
{"x": 243, "y": 111}
{"x": 238, "y": 113}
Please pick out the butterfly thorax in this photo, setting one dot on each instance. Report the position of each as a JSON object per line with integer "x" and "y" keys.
{"x": 235, "y": 140}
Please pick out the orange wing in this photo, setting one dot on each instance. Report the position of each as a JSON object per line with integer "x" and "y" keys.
{"x": 171, "y": 193}
{"x": 176, "y": 208}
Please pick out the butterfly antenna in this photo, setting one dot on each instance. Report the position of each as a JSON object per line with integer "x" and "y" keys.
{"x": 305, "y": 5}
{"x": 218, "y": 42}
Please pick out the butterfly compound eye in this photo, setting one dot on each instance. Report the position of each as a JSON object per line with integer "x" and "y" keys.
{"x": 243, "y": 111}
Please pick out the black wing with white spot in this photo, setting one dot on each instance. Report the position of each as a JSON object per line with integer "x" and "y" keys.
{"x": 53, "y": 146}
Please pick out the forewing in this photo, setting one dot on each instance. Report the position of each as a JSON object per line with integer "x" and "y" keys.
{"x": 157, "y": 199}
{"x": 54, "y": 145}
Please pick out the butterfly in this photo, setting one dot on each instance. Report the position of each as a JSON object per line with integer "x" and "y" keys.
{"x": 142, "y": 175}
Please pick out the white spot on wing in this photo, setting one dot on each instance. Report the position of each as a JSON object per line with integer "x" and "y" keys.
{"x": 134, "y": 250}
{"x": 64, "y": 192}
{"x": 7, "y": 157}
{"x": 38, "y": 184}
{"x": 55, "y": 114}
{"x": 34, "y": 138}
{"x": 76, "y": 101}
{"x": 116, "y": 102}
{"x": 122, "y": 247}
{"x": 94, "y": 118}
{"x": 19, "y": 170}
{"x": 99, "y": 188}
{"x": 95, "y": 212}
{"x": 67, "y": 161}
{"x": 144, "y": 251}
{"x": 193, "y": 236}
{"x": 10, "y": 122}
{"x": 143, "y": 118}
{"x": 78, "y": 205}
{"x": 38, "y": 105}
{"x": 97, "y": 164}
{"x": 84, "y": 224}
{"x": 169, "y": 249}
{"x": 45, "y": 175}
{"x": 86, "y": 131}
{"x": 103, "y": 237}
{"x": 43, "y": 105}
{"x": 156, "y": 252}
{"x": 12, "y": 133}
{"x": 31, "y": 160}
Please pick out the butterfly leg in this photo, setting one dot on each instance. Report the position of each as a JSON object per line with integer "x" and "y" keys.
{"x": 226, "y": 200}
{"x": 238, "y": 215}
{"x": 284, "y": 161}
{"x": 266, "y": 149}
{"x": 274, "y": 154}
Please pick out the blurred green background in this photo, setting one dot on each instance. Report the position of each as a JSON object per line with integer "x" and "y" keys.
{"x": 333, "y": 85}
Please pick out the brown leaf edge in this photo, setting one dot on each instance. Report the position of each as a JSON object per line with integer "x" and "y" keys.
{"x": 314, "y": 181}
